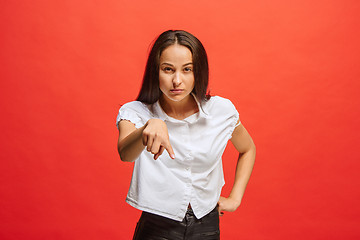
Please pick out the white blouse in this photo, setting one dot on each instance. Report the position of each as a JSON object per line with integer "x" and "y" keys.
{"x": 166, "y": 186}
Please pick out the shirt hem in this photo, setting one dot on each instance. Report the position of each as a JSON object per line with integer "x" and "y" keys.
{"x": 134, "y": 204}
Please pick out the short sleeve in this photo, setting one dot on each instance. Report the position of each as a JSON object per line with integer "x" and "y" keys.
{"x": 132, "y": 112}
{"x": 224, "y": 114}
{"x": 234, "y": 118}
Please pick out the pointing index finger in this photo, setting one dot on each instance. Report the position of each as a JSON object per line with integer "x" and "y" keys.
{"x": 170, "y": 150}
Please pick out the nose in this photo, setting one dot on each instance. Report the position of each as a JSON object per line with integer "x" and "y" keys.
{"x": 176, "y": 79}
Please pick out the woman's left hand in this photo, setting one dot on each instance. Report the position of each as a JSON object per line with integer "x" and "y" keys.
{"x": 227, "y": 204}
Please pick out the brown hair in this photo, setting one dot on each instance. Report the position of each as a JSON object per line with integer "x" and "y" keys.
{"x": 150, "y": 91}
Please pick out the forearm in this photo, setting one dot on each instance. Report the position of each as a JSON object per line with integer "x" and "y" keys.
{"x": 244, "y": 168}
{"x": 131, "y": 147}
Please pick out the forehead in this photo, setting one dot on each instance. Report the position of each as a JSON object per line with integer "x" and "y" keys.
{"x": 176, "y": 54}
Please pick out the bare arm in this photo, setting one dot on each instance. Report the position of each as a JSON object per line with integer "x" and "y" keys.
{"x": 247, "y": 151}
{"x": 132, "y": 141}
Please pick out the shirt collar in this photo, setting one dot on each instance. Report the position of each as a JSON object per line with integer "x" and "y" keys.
{"x": 163, "y": 116}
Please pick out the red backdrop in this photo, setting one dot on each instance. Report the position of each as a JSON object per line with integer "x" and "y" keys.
{"x": 291, "y": 67}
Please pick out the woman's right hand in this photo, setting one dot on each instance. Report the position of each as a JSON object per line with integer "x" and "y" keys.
{"x": 155, "y": 137}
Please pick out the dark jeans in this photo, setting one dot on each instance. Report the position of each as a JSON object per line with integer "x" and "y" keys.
{"x": 154, "y": 227}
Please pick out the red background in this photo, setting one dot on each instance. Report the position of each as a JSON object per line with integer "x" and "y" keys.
{"x": 291, "y": 67}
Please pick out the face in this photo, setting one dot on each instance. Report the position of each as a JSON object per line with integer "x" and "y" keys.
{"x": 176, "y": 76}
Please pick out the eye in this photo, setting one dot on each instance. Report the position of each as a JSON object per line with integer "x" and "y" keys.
{"x": 167, "y": 69}
{"x": 188, "y": 69}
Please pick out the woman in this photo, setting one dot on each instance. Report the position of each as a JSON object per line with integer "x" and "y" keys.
{"x": 179, "y": 192}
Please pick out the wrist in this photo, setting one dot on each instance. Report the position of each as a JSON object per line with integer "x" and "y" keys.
{"x": 235, "y": 200}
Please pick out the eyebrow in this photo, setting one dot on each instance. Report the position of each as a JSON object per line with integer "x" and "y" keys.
{"x": 165, "y": 63}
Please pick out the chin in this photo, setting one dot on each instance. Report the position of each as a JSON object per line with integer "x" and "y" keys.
{"x": 176, "y": 98}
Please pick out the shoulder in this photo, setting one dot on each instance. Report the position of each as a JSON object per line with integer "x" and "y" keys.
{"x": 218, "y": 105}
{"x": 135, "y": 106}
{"x": 221, "y": 100}
{"x": 135, "y": 112}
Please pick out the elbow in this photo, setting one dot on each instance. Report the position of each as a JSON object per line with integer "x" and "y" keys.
{"x": 124, "y": 157}
{"x": 253, "y": 148}
{"x": 250, "y": 151}
{"x": 121, "y": 154}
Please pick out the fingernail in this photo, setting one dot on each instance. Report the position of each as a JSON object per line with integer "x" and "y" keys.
{"x": 172, "y": 156}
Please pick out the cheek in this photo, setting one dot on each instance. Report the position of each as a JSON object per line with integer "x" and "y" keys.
{"x": 192, "y": 81}
{"x": 162, "y": 81}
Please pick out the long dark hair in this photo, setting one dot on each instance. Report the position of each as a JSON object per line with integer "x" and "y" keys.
{"x": 150, "y": 91}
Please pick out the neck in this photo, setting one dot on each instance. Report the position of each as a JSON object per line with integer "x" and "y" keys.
{"x": 179, "y": 110}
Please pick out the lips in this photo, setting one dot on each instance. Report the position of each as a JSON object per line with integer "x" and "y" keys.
{"x": 177, "y": 91}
